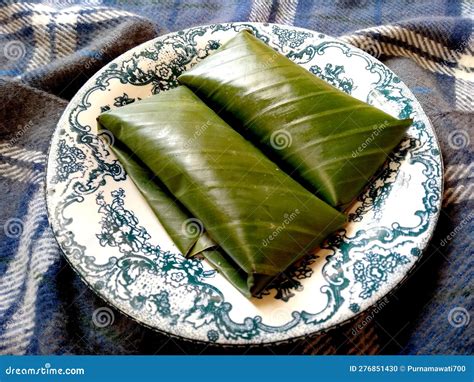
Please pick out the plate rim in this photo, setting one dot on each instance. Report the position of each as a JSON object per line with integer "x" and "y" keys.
{"x": 427, "y": 239}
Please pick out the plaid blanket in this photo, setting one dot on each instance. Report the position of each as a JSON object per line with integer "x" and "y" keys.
{"x": 47, "y": 51}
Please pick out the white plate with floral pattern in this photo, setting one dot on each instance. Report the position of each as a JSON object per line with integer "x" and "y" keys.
{"x": 114, "y": 241}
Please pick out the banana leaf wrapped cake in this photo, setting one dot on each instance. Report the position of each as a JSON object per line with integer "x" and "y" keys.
{"x": 249, "y": 161}
{"x": 329, "y": 141}
{"x": 207, "y": 171}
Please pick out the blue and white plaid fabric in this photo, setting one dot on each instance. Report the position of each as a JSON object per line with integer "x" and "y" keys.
{"x": 43, "y": 303}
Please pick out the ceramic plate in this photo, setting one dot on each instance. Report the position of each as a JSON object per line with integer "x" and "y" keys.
{"x": 113, "y": 240}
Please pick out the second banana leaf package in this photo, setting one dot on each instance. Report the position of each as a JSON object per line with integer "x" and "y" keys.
{"x": 259, "y": 206}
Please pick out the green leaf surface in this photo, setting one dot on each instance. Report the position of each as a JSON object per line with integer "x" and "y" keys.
{"x": 327, "y": 140}
{"x": 261, "y": 218}
{"x": 173, "y": 216}
{"x": 170, "y": 212}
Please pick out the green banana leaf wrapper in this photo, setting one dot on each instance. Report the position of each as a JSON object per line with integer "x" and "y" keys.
{"x": 193, "y": 168}
{"x": 329, "y": 141}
